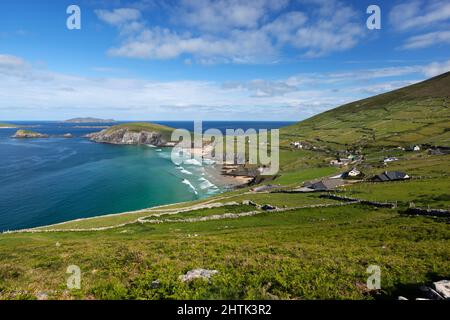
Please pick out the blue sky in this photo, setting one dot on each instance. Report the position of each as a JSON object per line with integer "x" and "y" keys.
{"x": 211, "y": 60}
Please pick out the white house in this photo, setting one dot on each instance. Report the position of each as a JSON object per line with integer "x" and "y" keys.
{"x": 297, "y": 145}
{"x": 390, "y": 159}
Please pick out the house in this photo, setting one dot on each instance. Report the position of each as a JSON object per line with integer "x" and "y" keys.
{"x": 439, "y": 151}
{"x": 354, "y": 173}
{"x": 297, "y": 145}
{"x": 390, "y": 159}
{"x": 413, "y": 148}
{"x": 390, "y": 176}
{"x": 323, "y": 185}
{"x": 340, "y": 162}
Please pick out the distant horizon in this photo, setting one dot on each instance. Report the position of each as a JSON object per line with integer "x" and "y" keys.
{"x": 143, "y": 120}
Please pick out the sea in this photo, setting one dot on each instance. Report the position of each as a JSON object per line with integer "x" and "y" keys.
{"x": 57, "y": 179}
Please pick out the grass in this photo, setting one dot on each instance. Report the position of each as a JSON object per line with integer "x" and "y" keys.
{"x": 302, "y": 254}
{"x": 143, "y": 126}
{"x": 431, "y": 193}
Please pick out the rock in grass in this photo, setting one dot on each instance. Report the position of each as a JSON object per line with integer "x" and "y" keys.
{"x": 198, "y": 274}
{"x": 268, "y": 207}
{"x": 443, "y": 288}
{"x": 430, "y": 293}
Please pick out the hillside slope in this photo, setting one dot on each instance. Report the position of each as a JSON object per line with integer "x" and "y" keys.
{"x": 416, "y": 114}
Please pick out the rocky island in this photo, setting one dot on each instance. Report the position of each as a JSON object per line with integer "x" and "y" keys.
{"x": 89, "y": 120}
{"x": 135, "y": 133}
{"x": 28, "y": 134}
{"x": 8, "y": 126}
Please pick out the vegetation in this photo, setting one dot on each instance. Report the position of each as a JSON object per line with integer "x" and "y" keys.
{"x": 143, "y": 126}
{"x": 310, "y": 247}
{"x": 8, "y": 125}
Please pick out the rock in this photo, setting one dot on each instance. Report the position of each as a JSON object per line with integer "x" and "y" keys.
{"x": 28, "y": 134}
{"x": 155, "y": 284}
{"x": 42, "y": 296}
{"x": 268, "y": 207}
{"x": 128, "y": 137}
{"x": 430, "y": 293}
{"x": 198, "y": 274}
{"x": 402, "y": 298}
{"x": 443, "y": 288}
{"x": 249, "y": 203}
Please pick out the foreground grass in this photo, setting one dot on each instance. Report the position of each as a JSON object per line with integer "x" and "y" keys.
{"x": 301, "y": 254}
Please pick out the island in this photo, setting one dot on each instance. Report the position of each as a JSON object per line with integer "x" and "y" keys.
{"x": 89, "y": 120}
{"x": 28, "y": 134}
{"x": 8, "y": 126}
{"x": 135, "y": 133}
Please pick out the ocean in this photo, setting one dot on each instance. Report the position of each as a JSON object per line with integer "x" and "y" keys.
{"x": 47, "y": 181}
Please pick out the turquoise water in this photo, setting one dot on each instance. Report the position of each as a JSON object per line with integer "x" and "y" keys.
{"x": 46, "y": 181}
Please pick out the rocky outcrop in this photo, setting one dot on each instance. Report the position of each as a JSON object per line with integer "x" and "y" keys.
{"x": 198, "y": 274}
{"x": 127, "y": 136}
{"x": 28, "y": 134}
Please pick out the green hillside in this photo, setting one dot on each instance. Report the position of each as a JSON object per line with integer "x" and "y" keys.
{"x": 416, "y": 114}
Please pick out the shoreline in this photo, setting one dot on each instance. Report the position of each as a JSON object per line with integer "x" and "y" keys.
{"x": 215, "y": 176}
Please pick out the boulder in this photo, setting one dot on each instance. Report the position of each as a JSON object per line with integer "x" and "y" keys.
{"x": 443, "y": 288}
{"x": 198, "y": 274}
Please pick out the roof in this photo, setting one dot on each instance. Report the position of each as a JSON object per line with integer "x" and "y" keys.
{"x": 326, "y": 184}
{"x": 390, "y": 176}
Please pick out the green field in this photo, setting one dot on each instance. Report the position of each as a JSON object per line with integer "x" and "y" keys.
{"x": 310, "y": 247}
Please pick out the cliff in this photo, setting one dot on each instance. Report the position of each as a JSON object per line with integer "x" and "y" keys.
{"x": 134, "y": 133}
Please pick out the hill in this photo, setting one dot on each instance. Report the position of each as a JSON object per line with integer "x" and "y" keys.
{"x": 89, "y": 120}
{"x": 417, "y": 114}
{"x": 8, "y": 126}
{"x": 134, "y": 133}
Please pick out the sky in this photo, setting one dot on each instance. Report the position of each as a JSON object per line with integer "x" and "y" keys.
{"x": 280, "y": 60}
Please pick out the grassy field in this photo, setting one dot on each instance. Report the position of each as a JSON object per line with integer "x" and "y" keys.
{"x": 309, "y": 248}
{"x": 301, "y": 254}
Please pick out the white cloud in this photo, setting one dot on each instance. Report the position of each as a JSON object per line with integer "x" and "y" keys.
{"x": 419, "y": 14}
{"x": 436, "y": 68}
{"x": 223, "y": 15}
{"x": 42, "y": 94}
{"x": 119, "y": 16}
{"x": 238, "y": 31}
{"x": 427, "y": 40}
{"x": 11, "y": 62}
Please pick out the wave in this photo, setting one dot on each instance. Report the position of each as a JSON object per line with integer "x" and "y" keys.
{"x": 206, "y": 184}
{"x": 193, "y": 162}
{"x": 183, "y": 170}
{"x": 188, "y": 183}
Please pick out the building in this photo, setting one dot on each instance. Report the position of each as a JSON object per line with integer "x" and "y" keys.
{"x": 323, "y": 185}
{"x": 297, "y": 145}
{"x": 390, "y": 176}
{"x": 390, "y": 159}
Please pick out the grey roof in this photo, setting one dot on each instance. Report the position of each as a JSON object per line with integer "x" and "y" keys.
{"x": 390, "y": 176}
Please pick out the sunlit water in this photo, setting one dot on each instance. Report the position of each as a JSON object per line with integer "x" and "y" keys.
{"x": 46, "y": 181}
